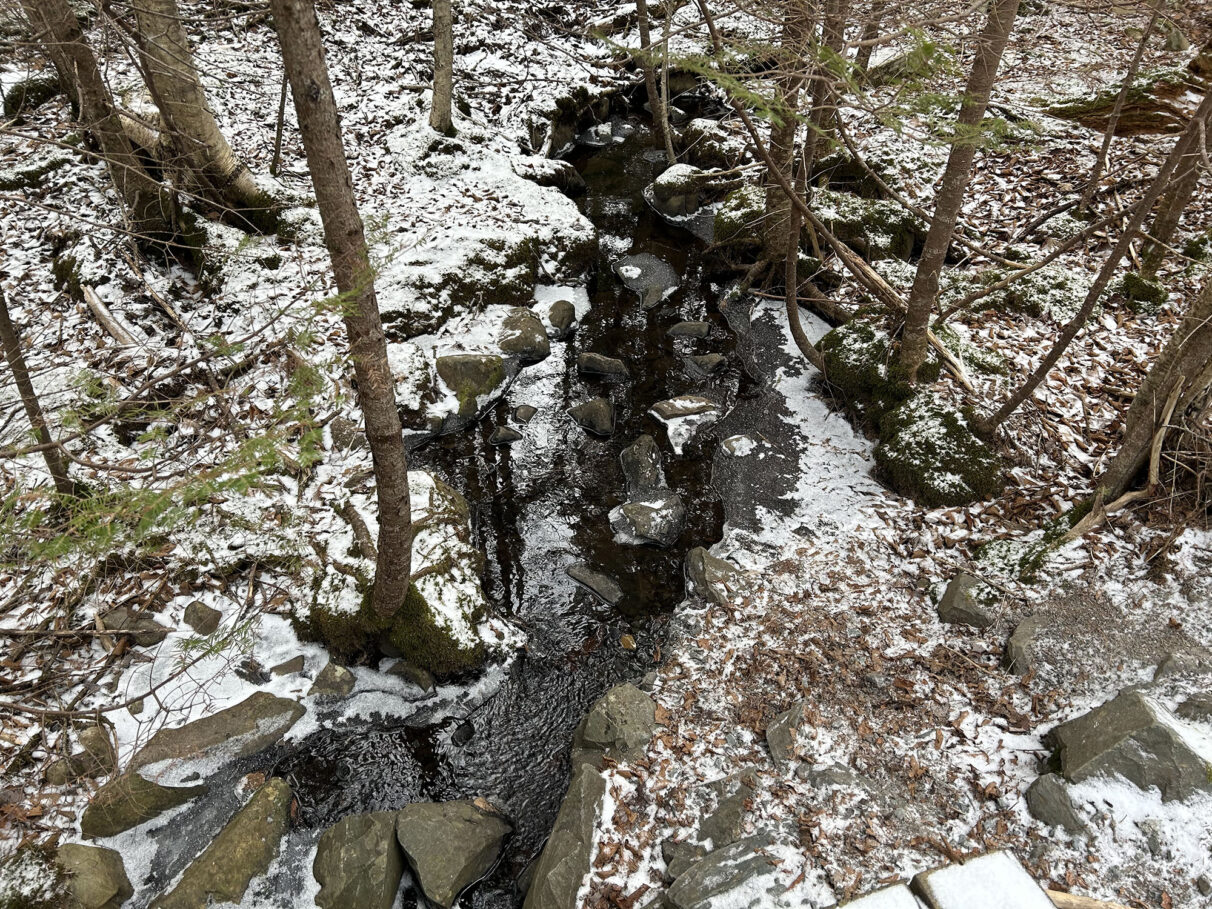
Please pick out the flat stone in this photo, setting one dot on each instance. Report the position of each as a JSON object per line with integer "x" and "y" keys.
{"x": 651, "y": 278}
{"x": 896, "y": 897}
{"x": 1049, "y": 803}
{"x": 524, "y": 413}
{"x": 129, "y": 801}
{"x": 504, "y": 435}
{"x": 472, "y": 378}
{"x": 243, "y": 850}
{"x": 145, "y": 630}
{"x": 698, "y": 330}
{"x": 334, "y": 680}
{"x": 679, "y": 857}
{"x": 562, "y": 316}
{"x": 993, "y": 879}
{"x": 618, "y": 726}
{"x": 781, "y": 734}
{"x": 710, "y": 577}
{"x": 1018, "y": 656}
{"x": 592, "y": 364}
{"x": 97, "y": 876}
{"x": 358, "y": 863}
{"x": 719, "y": 877}
{"x": 603, "y": 586}
{"x": 595, "y": 415}
{"x": 1197, "y": 707}
{"x": 97, "y": 759}
{"x": 684, "y": 406}
{"x": 1182, "y": 662}
{"x": 657, "y": 520}
{"x": 726, "y": 824}
{"x": 202, "y": 618}
{"x": 706, "y": 364}
{"x": 415, "y": 674}
{"x": 288, "y": 667}
{"x": 524, "y": 336}
{"x": 449, "y": 846}
{"x": 567, "y": 857}
{"x": 641, "y": 462}
{"x": 963, "y": 603}
{"x": 1137, "y": 739}
{"x": 247, "y": 728}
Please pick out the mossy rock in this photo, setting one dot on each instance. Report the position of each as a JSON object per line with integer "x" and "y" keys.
{"x": 1054, "y": 292}
{"x": 739, "y": 219}
{"x": 30, "y": 878}
{"x": 1153, "y": 105}
{"x": 31, "y": 173}
{"x": 876, "y": 228}
{"x": 471, "y": 377}
{"x": 862, "y": 371}
{"x": 841, "y": 172}
{"x": 30, "y": 94}
{"x": 927, "y": 451}
{"x": 1199, "y": 247}
{"x": 1147, "y": 295}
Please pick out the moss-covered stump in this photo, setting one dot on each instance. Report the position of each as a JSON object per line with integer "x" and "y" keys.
{"x": 441, "y": 625}
{"x": 739, "y": 219}
{"x": 863, "y": 373}
{"x": 1155, "y": 104}
{"x": 928, "y": 452}
{"x": 876, "y": 228}
{"x": 1146, "y": 294}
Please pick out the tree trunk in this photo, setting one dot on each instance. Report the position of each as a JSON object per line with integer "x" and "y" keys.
{"x": 792, "y": 281}
{"x": 29, "y": 400}
{"x": 660, "y": 117}
{"x": 955, "y": 182}
{"x": 870, "y": 34}
{"x": 303, "y": 54}
{"x": 194, "y": 141}
{"x": 440, "y": 117}
{"x": 150, "y": 210}
{"x": 777, "y": 224}
{"x": 1073, "y": 326}
{"x": 1172, "y": 205}
{"x": 824, "y": 105}
{"x": 1184, "y": 359}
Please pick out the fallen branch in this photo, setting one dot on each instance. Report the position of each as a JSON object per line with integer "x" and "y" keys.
{"x": 107, "y": 320}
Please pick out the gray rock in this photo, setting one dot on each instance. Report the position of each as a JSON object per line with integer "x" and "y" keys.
{"x": 1198, "y": 708}
{"x": 592, "y": 364}
{"x": 1049, "y": 803}
{"x": 595, "y": 415}
{"x": 569, "y": 851}
{"x": 830, "y": 775}
{"x": 1204, "y": 885}
{"x": 1182, "y": 662}
{"x": 603, "y": 586}
{"x": 722, "y": 872}
{"x": 288, "y": 667}
{"x": 1019, "y": 648}
{"x": 415, "y": 674}
{"x": 97, "y": 876}
{"x": 726, "y": 824}
{"x": 145, "y": 630}
{"x": 1135, "y": 738}
{"x": 472, "y": 377}
{"x": 359, "y": 863}
{"x": 993, "y": 879}
{"x": 698, "y": 330}
{"x": 346, "y": 435}
{"x": 449, "y": 846}
{"x": 684, "y": 406}
{"x": 243, "y": 850}
{"x": 247, "y": 728}
{"x": 524, "y": 336}
{"x": 963, "y": 603}
{"x": 658, "y": 520}
{"x": 706, "y": 364}
{"x": 202, "y": 618}
{"x": 781, "y": 734}
{"x": 504, "y": 435}
{"x": 679, "y": 857}
{"x": 129, "y": 801}
{"x": 562, "y": 317}
{"x": 524, "y": 413}
{"x": 641, "y": 462}
{"x": 619, "y": 726}
{"x": 675, "y": 193}
{"x": 710, "y": 577}
{"x": 653, "y": 279}
{"x": 97, "y": 759}
{"x": 334, "y": 680}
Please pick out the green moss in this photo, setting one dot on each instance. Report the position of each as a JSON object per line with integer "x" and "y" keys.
{"x": 30, "y": 878}
{"x": 928, "y": 452}
{"x": 30, "y": 174}
{"x": 877, "y": 228}
{"x": 30, "y": 94}
{"x": 862, "y": 372}
{"x": 1147, "y": 295}
{"x": 1199, "y": 248}
{"x": 839, "y": 171}
{"x": 65, "y": 272}
{"x": 420, "y": 642}
{"x": 1053, "y": 292}
{"x": 1146, "y": 109}
{"x": 739, "y": 219}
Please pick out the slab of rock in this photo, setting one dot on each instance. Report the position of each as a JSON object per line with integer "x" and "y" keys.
{"x": 243, "y": 850}
{"x": 895, "y": 897}
{"x": 710, "y": 577}
{"x": 562, "y": 316}
{"x": 781, "y": 734}
{"x": 653, "y": 279}
{"x": 592, "y": 364}
{"x": 602, "y": 586}
{"x": 722, "y": 874}
{"x": 706, "y": 364}
{"x": 698, "y": 330}
{"x": 524, "y": 336}
{"x": 97, "y": 759}
{"x": 658, "y": 520}
{"x": 963, "y": 603}
{"x": 726, "y": 824}
{"x": 97, "y": 876}
{"x": 524, "y": 413}
{"x": 641, "y": 462}
{"x": 202, "y": 618}
{"x": 1133, "y": 737}
{"x": 993, "y": 879}
{"x": 567, "y": 857}
{"x": 145, "y": 630}
{"x": 504, "y": 435}
{"x": 472, "y": 377}
{"x": 1049, "y": 803}
{"x": 684, "y": 406}
{"x": 288, "y": 667}
{"x": 247, "y": 728}
{"x": 359, "y": 863}
{"x": 1197, "y": 707}
{"x": 595, "y": 415}
{"x": 679, "y": 857}
{"x": 334, "y": 681}
{"x": 129, "y": 801}
{"x": 618, "y": 726}
{"x": 449, "y": 846}
{"x": 1019, "y": 657}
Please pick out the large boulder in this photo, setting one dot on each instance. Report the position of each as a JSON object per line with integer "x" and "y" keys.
{"x": 675, "y": 193}
{"x": 129, "y": 801}
{"x": 243, "y": 850}
{"x": 472, "y": 378}
{"x": 524, "y": 336}
{"x": 1133, "y": 737}
{"x": 358, "y": 863}
{"x": 569, "y": 851}
{"x": 449, "y": 846}
{"x": 733, "y": 875}
{"x": 96, "y": 876}
{"x": 618, "y": 726}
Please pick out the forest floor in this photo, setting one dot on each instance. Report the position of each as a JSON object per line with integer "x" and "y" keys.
{"x": 921, "y": 744}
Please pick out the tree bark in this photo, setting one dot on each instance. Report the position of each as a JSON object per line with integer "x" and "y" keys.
{"x": 656, "y": 102}
{"x": 1183, "y": 360}
{"x": 955, "y": 182}
{"x": 194, "y": 142}
{"x": 1073, "y": 326}
{"x": 440, "y": 116}
{"x": 303, "y": 54}
{"x": 1173, "y": 203}
{"x": 777, "y": 230}
{"x": 824, "y": 105}
{"x": 871, "y": 32}
{"x": 150, "y": 210}
{"x": 29, "y": 400}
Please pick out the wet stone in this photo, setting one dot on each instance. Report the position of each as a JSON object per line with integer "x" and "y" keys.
{"x": 603, "y": 586}
{"x": 684, "y": 406}
{"x": 653, "y": 279}
{"x": 592, "y": 364}
{"x": 289, "y": 667}
{"x": 504, "y": 435}
{"x": 641, "y": 462}
{"x": 524, "y": 413}
{"x": 569, "y": 851}
{"x": 523, "y": 336}
{"x": 449, "y": 846}
{"x": 658, "y": 520}
{"x": 358, "y": 863}
{"x": 706, "y": 364}
{"x": 697, "y": 330}
{"x": 414, "y": 674}
{"x": 562, "y": 317}
{"x": 202, "y": 618}
{"x": 710, "y": 577}
{"x": 618, "y": 726}
{"x": 595, "y": 416}
{"x": 334, "y": 680}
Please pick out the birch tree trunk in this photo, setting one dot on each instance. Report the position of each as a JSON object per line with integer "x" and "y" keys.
{"x": 196, "y": 146}
{"x": 951, "y": 191}
{"x": 440, "y": 116}
{"x": 303, "y": 54}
